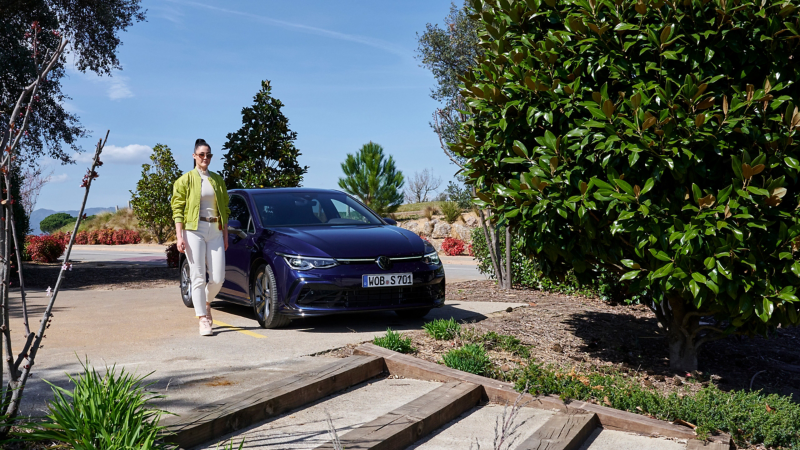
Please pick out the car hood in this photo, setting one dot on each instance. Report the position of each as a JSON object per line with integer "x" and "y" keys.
{"x": 350, "y": 241}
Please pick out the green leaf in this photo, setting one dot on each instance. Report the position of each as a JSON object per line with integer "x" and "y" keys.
{"x": 647, "y": 186}
{"x": 629, "y": 263}
{"x": 758, "y": 191}
{"x": 624, "y": 186}
{"x": 700, "y": 278}
{"x": 724, "y": 194}
{"x": 712, "y": 286}
{"x": 694, "y": 288}
{"x": 698, "y": 194}
{"x": 520, "y": 149}
{"x": 630, "y": 275}
{"x": 725, "y": 272}
{"x": 663, "y": 271}
{"x": 602, "y": 184}
{"x": 791, "y": 162}
{"x": 796, "y": 268}
{"x": 660, "y": 255}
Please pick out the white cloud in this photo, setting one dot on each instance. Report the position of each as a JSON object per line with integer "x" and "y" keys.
{"x": 118, "y": 87}
{"x": 59, "y": 178}
{"x": 364, "y": 40}
{"x": 129, "y": 154}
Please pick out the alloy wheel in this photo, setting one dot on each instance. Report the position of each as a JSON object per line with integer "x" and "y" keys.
{"x": 262, "y": 296}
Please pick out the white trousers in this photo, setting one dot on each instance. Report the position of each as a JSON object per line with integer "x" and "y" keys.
{"x": 205, "y": 250}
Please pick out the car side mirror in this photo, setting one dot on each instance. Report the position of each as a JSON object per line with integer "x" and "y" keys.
{"x": 235, "y": 227}
{"x": 390, "y": 221}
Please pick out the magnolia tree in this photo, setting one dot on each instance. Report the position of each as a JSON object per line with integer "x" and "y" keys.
{"x": 651, "y": 138}
{"x": 151, "y": 200}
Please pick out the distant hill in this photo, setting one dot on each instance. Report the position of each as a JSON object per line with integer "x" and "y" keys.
{"x": 38, "y": 215}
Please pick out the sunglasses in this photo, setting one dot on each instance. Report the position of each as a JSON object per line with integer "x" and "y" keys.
{"x": 204, "y": 155}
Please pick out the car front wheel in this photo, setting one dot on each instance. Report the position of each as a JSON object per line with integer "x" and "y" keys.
{"x": 186, "y": 284}
{"x": 264, "y": 297}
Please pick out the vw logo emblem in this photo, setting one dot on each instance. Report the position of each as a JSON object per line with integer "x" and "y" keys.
{"x": 384, "y": 262}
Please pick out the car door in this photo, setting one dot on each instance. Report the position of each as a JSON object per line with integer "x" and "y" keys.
{"x": 240, "y": 248}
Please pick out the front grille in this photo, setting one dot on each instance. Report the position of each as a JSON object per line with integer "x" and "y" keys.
{"x": 332, "y": 297}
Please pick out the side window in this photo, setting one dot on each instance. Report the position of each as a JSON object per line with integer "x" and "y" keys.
{"x": 239, "y": 211}
{"x": 319, "y": 213}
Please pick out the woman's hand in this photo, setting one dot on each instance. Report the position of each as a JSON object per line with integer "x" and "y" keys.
{"x": 179, "y": 235}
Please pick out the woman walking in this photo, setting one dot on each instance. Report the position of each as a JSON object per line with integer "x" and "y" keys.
{"x": 200, "y": 211}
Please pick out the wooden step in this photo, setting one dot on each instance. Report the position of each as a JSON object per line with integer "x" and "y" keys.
{"x": 563, "y": 431}
{"x": 216, "y": 419}
{"x": 414, "y": 420}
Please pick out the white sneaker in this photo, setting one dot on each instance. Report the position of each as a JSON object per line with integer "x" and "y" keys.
{"x": 205, "y": 326}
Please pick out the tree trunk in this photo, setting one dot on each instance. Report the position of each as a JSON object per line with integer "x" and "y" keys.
{"x": 682, "y": 354}
{"x": 682, "y": 350}
{"x": 508, "y": 257}
{"x": 492, "y": 246}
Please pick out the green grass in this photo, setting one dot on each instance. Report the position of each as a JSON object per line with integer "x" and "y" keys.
{"x": 394, "y": 341}
{"x": 416, "y": 206}
{"x": 752, "y": 418}
{"x": 506, "y": 342}
{"x": 107, "y": 412}
{"x": 441, "y": 329}
{"x": 470, "y": 358}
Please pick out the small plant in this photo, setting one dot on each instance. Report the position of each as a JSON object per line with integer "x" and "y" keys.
{"x": 450, "y": 210}
{"x": 45, "y": 249}
{"x": 102, "y": 412}
{"x": 428, "y": 212}
{"x": 506, "y": 342}
{"x": 470, "y": 358}
{"x": 173, "y": 255}
{"x": 441, "y": 329}
{"x": 452, "y": 246}
{"x": 229, "y": 445}
{"x": 394, "y": 341}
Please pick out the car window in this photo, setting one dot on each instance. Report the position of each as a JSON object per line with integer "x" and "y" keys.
{"x": 312, "y": 208}
{"x": 347, "y": 211}
{"x": 239, "y": 210}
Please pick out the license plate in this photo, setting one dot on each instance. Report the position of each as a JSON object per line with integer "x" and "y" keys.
{"x": 395, "y": 279}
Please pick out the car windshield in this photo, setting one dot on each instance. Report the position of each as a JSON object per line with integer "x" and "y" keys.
{"x": 290, "y": 209}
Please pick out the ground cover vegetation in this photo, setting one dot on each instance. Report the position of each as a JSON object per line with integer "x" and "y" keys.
{"x": 262, "y": 152}
{"x": 373, "y": 178}
{"x": 394, "y": 341}
{"x": 151, "y": 200}
{"x": 751, "y": 417}
{"x": 107, "y": 411}
{"x": 648, "y": 139}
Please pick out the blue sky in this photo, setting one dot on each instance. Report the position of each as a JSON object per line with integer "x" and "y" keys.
{"x": 345, "y": 71}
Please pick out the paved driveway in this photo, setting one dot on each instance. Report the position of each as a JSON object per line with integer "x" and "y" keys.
{"x": 151, "y": 330}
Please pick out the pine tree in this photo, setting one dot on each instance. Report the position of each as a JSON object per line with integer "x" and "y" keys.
{"x": 262, "y": 152}
{"x": 373, "y": 179}
{"x": 151, "y": 201}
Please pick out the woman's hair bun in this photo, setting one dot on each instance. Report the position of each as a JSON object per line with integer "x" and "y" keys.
{"x": 201, "y": 143}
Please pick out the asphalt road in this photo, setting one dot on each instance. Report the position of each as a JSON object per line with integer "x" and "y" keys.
{"x": 457, "y": 268}
{"x": 150, "y": 330}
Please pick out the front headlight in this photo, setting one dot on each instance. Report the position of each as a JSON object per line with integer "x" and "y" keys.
{"x": 431, "y": 258}
{"x": 308, "y": 262}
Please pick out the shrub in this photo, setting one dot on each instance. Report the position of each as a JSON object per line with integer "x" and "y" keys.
{"x": 122, "y": 237}
{"x": 173, "y": 255}
{"x": 752, "y": 418}
{"x": 55, "y": 221}
{"x": 450, "y": 210}
{"x": 441, "y": 329}
{"x": 108, "y": 412}
{"x": 452, "y": 246}
{"x": 470, "y": 358}
{"x": 394, "y": 341}
{"x": 527, "y": 272}
{"x": 506, "y": 342}
{"x": 656, "y": 140}
{"x": 45, "y": 249}
{"x": 82, "y": 238}
{"x": 428, "y": 212}
{"x": 26, "y": 256}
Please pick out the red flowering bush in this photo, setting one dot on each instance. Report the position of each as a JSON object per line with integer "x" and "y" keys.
{"x": 46, "y": 249}
{"x": 453, "y": 246}
{"x": 470, "y": 252}
{"x": 173, "y": 255}
{"x": 105, "y": 236}
{"x": 122, "y": 237}
{"x": 62, "y": 236}
{"x": 82, "y": 238}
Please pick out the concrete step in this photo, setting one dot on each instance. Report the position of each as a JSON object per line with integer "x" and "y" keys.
{"x": 602, "y": 439}
{"x": 307, "y": 427}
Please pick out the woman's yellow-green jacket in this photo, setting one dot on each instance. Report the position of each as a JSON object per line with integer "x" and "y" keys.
{"x": 186, "y": 199}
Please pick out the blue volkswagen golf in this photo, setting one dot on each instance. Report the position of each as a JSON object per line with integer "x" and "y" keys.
{"x": 299, "y": 252}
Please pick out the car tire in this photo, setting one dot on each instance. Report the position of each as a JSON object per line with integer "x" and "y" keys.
{"x": 413, "y": 313}
{"x": 264, "y": 298}
{"x": 186, "y": 283}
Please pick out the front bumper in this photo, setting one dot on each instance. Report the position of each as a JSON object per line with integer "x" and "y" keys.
{"x": 339, "y": 290}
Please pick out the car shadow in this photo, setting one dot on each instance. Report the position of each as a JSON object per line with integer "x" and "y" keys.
{"x": 356, "y": 322}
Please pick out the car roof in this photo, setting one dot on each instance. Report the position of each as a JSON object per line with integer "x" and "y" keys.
{"x": 287, "y": 189}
